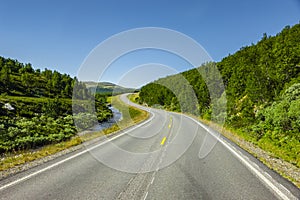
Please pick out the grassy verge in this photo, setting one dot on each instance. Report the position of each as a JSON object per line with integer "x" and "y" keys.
{"x": 134, "y": 97}
{"x": 131, "y": 116}
{"x": 17, "y": 158}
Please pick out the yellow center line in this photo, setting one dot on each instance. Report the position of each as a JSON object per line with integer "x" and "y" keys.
{"x": 170, "y": 124}
{"x": 165, "y": 138}
{"x": 163, "y": 141}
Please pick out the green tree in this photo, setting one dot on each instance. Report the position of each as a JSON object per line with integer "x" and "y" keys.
{"x": 27, "y": 81}
{"x": 5, "y": 77}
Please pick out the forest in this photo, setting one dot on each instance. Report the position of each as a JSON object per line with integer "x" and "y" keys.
{"x": 261, "y": 93}
{"x": 107, "y": 88}
{"x": 36, "y": 106}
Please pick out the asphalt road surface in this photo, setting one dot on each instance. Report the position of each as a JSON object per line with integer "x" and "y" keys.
{"x": 169, "y": 156}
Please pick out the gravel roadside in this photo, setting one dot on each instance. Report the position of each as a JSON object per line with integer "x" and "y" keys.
{"x": 284, "y": 168}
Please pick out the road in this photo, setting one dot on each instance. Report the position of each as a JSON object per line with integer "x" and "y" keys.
{"x": 158, "y": 159}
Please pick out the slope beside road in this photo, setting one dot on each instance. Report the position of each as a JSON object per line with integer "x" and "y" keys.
{"x": 169, "y": 156}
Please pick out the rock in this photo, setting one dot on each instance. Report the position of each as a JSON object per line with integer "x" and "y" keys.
{"x": 8, "y": 106}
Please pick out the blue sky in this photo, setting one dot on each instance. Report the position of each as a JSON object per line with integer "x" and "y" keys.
{"x": 59, "y": 34}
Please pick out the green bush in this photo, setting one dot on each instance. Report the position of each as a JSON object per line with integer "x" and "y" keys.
{"x": 22, "y": 133}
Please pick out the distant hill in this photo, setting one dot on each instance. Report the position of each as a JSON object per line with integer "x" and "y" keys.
{"x": 107, "y": 88}
{"x": 95, "y": 84}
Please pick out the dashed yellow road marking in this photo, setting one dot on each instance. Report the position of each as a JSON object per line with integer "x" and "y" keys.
{"x": 163, "y": 141}
{"x": 170, "y": 124}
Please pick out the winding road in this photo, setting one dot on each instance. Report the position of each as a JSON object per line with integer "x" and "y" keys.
{"x": 169, "y": 156}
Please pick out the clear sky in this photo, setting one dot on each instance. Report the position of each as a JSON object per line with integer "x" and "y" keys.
{"x": 59, "y": 34}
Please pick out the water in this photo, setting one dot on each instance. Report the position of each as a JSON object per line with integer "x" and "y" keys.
{"x": 117, "y": 116}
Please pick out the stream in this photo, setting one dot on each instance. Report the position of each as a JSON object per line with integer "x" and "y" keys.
{"x": 117, "y": 116}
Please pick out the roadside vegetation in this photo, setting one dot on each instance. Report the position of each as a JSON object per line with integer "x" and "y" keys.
{"x": 36, "y": 107}
{"x": 134, "y": 97}
{"x": 262, "y": 88}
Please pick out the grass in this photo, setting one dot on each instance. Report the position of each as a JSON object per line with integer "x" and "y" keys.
{"x": 13, "y": 159}
{"x": 25, "y": 99}
{"x": 290, "y": 153}
{"x": 131, "y": 116}
{"x": 133, "y": 97}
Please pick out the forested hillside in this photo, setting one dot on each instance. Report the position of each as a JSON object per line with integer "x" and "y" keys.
{"x": 106, "y": 88}
{"x": 36, "y": 106}
{"x": 262, "y": 87}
